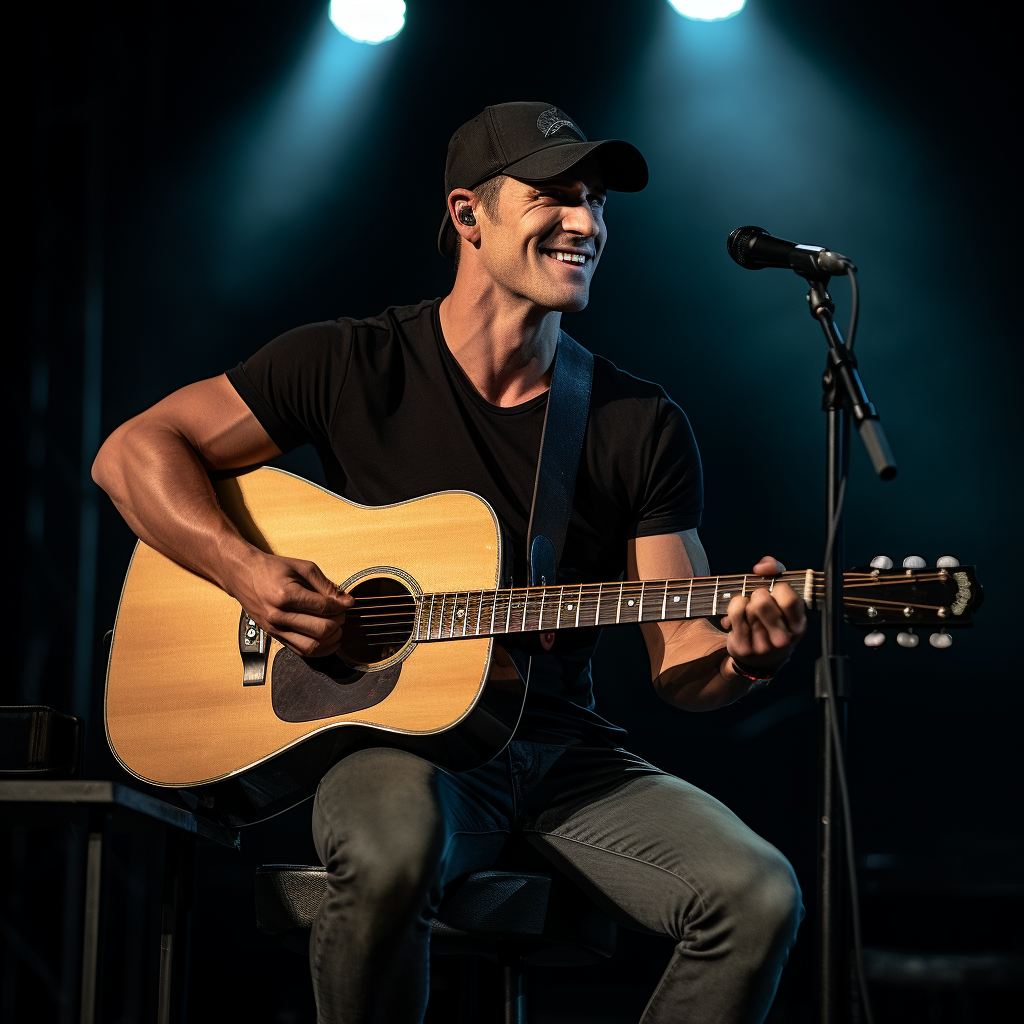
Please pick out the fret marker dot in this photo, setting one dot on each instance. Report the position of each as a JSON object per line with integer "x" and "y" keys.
{"x": 631, "y": 602}
{"x": 725, "y": 597}
{"x": 569, "y": 607}
{"x": 459, "y": 614}
{"x": 675, "y": 600}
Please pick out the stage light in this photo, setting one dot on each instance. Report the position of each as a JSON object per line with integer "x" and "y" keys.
{"x": 368, "y": 21}
{"x": 708, "y": 10}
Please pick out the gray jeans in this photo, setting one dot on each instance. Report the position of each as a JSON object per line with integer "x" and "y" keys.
{"x": 654, "y": 852}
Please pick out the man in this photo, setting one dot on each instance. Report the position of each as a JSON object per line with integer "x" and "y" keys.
{"x": 452, "y": 394}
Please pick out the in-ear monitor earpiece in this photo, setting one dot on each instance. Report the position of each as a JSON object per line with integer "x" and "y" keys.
{"x": 466, "y": 216}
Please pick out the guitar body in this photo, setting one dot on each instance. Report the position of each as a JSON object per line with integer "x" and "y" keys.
{"x": 183, "y": 711}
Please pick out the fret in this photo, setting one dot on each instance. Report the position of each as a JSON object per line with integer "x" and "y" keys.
{"x": 743, "y": 591}
{"x": 597, "y": 607}
{"x": 689, "y": 597}
{"x": 440, "y": 616}
{"x": 540, "y": 614}
{"x": 714, "y": 601}
{"x": 494, "y": 608}
{"x": 561, "y": 598}
{"x": 508, "y": 614}
{"x": 465, "y": 615}
{"x": 579, "y": 601}
{"x": 455, "y": 611}
{"x": 618, "y": 607}
{"x": 664, "y": 602}
{"x": 479, "y": 611}
{"x": 640, "y": 614}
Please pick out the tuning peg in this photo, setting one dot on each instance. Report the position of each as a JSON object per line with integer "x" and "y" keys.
{"x": 948, "y": 562}
{"x": 914, "y": 562}
{"x": 875, "y": 639}
{"x": 908, "y": 639}
{"x": 940, "y": 640}
{"x": 881, "y": 562}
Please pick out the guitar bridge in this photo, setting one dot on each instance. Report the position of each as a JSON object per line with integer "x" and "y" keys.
{"x": 254, "y": 647}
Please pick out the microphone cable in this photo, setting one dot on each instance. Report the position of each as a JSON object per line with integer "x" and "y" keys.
{"x": 851, "y": 331}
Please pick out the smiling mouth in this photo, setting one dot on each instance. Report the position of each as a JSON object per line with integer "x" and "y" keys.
{"x": 578, "y": 259}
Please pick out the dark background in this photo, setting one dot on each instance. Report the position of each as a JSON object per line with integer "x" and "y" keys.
{"x": 189, "y": 180}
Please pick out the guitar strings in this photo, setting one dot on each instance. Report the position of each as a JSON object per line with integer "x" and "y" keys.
{"x": 380, "y": 633}
{"x": 474, "y": 603}
{"x": 652, "y": 587}
{"x": 517, "y": 599}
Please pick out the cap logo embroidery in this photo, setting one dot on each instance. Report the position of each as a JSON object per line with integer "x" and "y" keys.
{"x": 552, "y": 119}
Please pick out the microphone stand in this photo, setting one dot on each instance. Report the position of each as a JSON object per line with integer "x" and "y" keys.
{"x": 844, "y": 398}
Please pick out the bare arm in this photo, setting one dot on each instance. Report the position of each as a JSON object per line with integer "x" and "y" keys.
{"x": 154, "y": 467}
{"x": 692, "y": 663}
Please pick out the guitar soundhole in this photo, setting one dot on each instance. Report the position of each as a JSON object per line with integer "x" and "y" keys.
{"x": 380, "y": 623}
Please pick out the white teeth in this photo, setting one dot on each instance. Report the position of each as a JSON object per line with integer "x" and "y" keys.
{"x": 570, "y": 257}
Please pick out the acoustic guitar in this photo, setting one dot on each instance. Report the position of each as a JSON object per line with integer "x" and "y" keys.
{"x": 199, "y": 698}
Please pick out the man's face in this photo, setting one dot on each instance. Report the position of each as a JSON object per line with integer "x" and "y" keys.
{"x": 545, "y": 240}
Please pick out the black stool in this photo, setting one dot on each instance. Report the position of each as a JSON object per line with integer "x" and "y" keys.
{"x": 514, "y": 918}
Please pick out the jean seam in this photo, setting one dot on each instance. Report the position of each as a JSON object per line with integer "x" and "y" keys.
{"x": 624, "y": 856}
{"x": 315, "y": 964}
{"x": 480, "y": 832}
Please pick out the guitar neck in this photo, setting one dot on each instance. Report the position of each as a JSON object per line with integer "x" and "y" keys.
{"x": 456, "y": 614}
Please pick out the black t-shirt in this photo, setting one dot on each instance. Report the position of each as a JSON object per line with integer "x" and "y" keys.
{"x": 393, "y": 416}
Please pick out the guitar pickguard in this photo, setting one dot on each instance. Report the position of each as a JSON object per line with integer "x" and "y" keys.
{"x": 302, "y": 691}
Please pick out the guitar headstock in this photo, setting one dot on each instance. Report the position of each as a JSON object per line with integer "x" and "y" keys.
{"x": 879, "y": 596}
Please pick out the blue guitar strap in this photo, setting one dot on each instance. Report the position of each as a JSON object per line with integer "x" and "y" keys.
{"x": 561, "y": 442}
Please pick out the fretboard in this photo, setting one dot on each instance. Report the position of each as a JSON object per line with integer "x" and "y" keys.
{"x": 464, "y": 613}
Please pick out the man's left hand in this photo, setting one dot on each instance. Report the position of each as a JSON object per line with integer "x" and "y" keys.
{"x": 765, "y": 627}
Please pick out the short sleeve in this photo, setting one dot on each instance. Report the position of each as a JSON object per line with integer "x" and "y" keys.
{"x": 673, "y": 497}
{"x": 292, "y": 384}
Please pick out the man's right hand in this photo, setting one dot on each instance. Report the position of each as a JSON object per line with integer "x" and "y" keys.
{"x": 292, "y": 600}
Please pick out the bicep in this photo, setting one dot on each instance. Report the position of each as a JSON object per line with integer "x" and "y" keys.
{"x": 666, "y": 556}
{"x": 672, "y": 556}
{"x": 212, "y": 417}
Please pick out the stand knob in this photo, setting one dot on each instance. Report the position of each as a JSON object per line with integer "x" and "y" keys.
{"x": 907, "y": 639}
{"x": 948, "y": 562}
{"x": 914, "y": 562}
{"x": 875, "y": 639}
{"x": 881, "y": 562}
{"x": 940, "y": 640}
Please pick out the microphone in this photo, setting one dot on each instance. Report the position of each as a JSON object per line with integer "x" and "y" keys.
{"x": 753, "y": 248}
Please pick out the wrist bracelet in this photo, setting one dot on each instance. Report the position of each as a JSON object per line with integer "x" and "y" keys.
{"x": 751, "y": 675}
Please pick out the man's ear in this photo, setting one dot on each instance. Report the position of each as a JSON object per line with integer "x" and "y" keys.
{"x": 462, "y": 205}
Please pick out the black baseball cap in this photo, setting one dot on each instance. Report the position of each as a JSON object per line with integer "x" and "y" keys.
{"x": 535, "y": 142}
